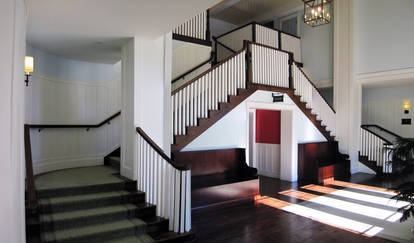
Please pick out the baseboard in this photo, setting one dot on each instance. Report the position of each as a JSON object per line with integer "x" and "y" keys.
{"x": 272, "y": 174}
{"x": 44, "y": 166}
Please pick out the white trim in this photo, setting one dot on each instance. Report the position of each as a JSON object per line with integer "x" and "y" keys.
{"x": 386, "y": 77}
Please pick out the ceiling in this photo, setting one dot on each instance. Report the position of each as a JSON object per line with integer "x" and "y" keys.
{"x": 242, "y": 11}
{"x": 95, "y": 30}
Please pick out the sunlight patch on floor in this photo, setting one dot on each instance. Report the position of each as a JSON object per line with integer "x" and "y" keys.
{"x": 370, "y": 214}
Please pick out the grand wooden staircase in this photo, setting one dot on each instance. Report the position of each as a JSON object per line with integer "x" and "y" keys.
{"x": 203, "y": 101}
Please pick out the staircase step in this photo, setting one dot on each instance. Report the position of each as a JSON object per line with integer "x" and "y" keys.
{"x": 156, "y": 224}
{"x": 69, "y": 191}
{"x": 144, "y": 238}
{"x": 80, "y": 218}
{"x": 171, "y": 237}
{"x": 77, "y": 202}
{"x": 113, "y": 161}
{"x": 96, "y": 232}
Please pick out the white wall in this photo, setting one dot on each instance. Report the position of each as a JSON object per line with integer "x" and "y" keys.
{"x": 317, "y": 50}
{"x": 69, "y": 69}
{"x": 232, "y": 130}
{"x": 384, "y": 107}
{"x": 146, "y": 96}
{"x": 185, "y": 56}
{"x": 219, "y": 27}
{"x": 12, "y": 169}
{"x": 383, "y": 35}
{"x": 55, "y": 97}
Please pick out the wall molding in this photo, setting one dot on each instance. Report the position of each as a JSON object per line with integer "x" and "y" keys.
{"x": 65, "y": 81}
{"x": 386, "y": 77}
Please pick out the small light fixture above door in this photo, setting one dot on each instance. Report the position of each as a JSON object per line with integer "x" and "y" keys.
{"x": 317, "y": 12}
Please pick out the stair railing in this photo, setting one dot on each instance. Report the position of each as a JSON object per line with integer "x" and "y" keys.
{"x": 259, "y": 34}
{"x": 254, "y": 66}
{"x": 194, "y": 99}
{"x": 30, "y": 183}
{"x": 166, "y": 185}
{"x": 375, "y": 147}
{"x": 197, "y": 27}
{"x": 310, "y": 94}
{"x": 270, "y": 66}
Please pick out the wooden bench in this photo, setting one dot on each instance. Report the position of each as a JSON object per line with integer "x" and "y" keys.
{"x": 322, "y": 161}
{"x": 216, "y": 167}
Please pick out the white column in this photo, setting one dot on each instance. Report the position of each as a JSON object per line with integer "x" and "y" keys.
{"x": 12, "y": 49}
{"x": 347, "y": 92}
{"x": 146, "y": 96}
{"x": 288, "y": 147}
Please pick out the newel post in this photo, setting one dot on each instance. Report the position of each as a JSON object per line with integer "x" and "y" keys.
{"x": 31, "y": 189}
{"x": 291, "y": 63}
{"x": 249, "y": 75}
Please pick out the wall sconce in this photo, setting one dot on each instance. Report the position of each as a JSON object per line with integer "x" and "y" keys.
{"x": 28, "y": 68}
{"x": 406, "y": 108}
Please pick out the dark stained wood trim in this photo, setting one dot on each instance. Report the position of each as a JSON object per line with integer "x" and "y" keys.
{"x": 180, "y": 141}
{"x": 225, "y": 46}
{"x": 30, "y": 183}
{"x": 270, "y": 47}
{"x": 301, "y": 105}
{"x": 254, "y": 32}
{"x": 31, "y": 188}
{"x": 306, "y": 76}
{"x": 191, "y": 40}
{"x": 159, "y": 150}
{"x": 252, "y": 23}
{"x": 279, "y": 39}
{"x": 207, "y": 71}
{"x": 249, "y": 74}
{"x": 379, "y": 127}
{"x": 233, "y": 30}
{"x": 280, "y": 31}
{"x": 41, "y": 126}
{"x": 370, "y": 164}
{"x": 193, "y": 69}
{"x": 299, "y": 64}
{"x": 291, "y": 83}
{"x": 208, "y": 25}
{"x": 365, "y": 127}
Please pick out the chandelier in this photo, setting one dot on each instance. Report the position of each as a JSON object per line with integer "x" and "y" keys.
{"x": 317, "y": 12}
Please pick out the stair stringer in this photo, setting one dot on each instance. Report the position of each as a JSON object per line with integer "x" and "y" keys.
{"x": 181, "y": 141}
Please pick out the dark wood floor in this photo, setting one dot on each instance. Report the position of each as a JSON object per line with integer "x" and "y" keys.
{"x": 245, "y": 221}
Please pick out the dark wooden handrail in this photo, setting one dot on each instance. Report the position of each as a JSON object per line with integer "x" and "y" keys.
{"x": 41, "y": 126}
{"x": 225, "y": 46}
{"x": 159, "y": 150}
{"x": 193, "y": 69}
{"x": 31, "y": 187}
{"x": 270, "y": 47}
{"x": 251, "y": 23}
{"x": 310, "y": 81}
{"x": 207, "y": 71}
{"x": 365, "y": 127}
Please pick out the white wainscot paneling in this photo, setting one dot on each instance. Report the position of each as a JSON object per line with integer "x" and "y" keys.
{"x": 388, "y": 113}
{"x": 187, "y": 56}
{"x": 267, "y": 159}
{"x": 53, "y": 101}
